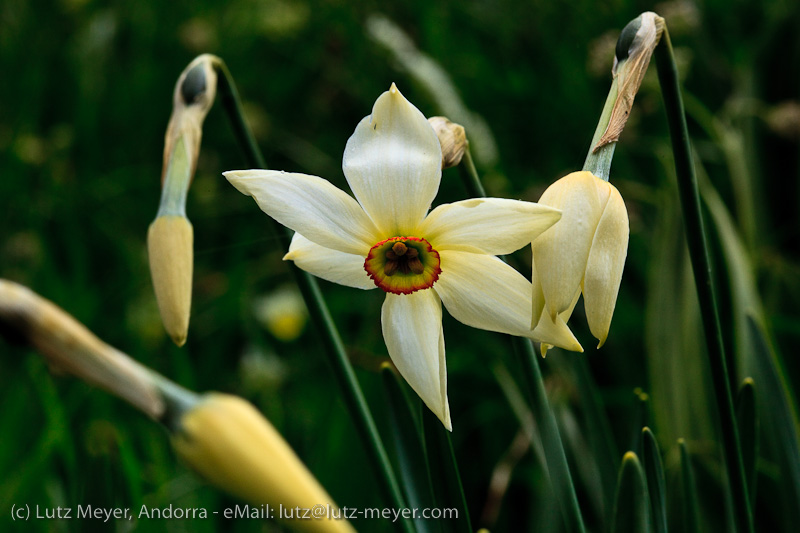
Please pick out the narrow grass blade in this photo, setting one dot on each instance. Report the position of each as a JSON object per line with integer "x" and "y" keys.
{"x": 756, "y": 356}
{"x": 701, "y": 266}
{"x": 631, "y": 505}
{"x": 691, "y": 513}
{"x": 656, "y": 486}
{"x": 747, "y": 417}
{"x": 641, "y": 409}
{"x": 415, "y": 479}
{"x": 556, "y": 459}
{"x": 444, "y": 472}
{"x": 780, "y": 426}
{"x": 598, "y": 429}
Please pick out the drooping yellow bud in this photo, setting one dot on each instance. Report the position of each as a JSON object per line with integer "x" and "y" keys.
{"x": 453, "y": 139}
{"x": 170, "y": 248}
{"x": 228, "y": 442}
{"x": 584, "y": 253}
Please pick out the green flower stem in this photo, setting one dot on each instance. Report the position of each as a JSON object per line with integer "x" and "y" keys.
{"x": 556, "y": 459}
{"x": 696, "y": 238}
{"x": 353, "y": 397}
{"x": 599, "y": 163}
{"x": 232, "y": 103}
{"x": 469, "y": 175}
{"x": 691, "y": 510}
{"x": 176, "y": 182}
{"x": 444, "y": 473}
{"x": 557, "y": 465}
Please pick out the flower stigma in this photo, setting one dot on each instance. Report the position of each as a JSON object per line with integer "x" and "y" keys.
{"x": 402, "y": 265}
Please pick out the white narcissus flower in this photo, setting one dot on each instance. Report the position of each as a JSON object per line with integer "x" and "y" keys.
{"x": 386, "y": 238}
{"x": 584, "y": 252}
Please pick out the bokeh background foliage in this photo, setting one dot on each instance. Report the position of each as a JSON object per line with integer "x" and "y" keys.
{"x": 85, "y": 99}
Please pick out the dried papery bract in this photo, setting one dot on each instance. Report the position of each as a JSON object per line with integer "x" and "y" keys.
{"x": 452, "y": 138}
{"x": 634, "y": 49}
{"x": 192, "y": 99}
{"x": 231, "y": 444}
{"x": 170, "y": 237}
{"x": 70, "y": 347}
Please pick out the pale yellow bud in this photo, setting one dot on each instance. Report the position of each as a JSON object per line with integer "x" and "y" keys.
{"x": 227, "y": 441}
{"x": 170, "y": 248}
{"x": 452, "y": 138}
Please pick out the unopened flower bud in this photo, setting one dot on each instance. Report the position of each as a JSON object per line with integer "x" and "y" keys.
{"x": 169, "y": 239}
{"x": 170, "y": 249}
{"x": 452, "y": 138}
{"x": 583, "y": 254}
{"x": 631, "y": 59}
{"x": 227, "y": 441}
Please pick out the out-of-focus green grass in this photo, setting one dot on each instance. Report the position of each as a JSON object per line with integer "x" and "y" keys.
{"x": 84, "y": 103}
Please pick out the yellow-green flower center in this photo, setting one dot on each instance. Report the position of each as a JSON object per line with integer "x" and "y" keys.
{"x": 402, "y": 265}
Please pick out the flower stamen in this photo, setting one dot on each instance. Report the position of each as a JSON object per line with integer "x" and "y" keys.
{"x": 402, "y": 265}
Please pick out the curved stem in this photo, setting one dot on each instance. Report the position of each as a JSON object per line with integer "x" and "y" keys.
{"x": 555, "y": 457}
{"x": 701, "y": 266}
{"x": 342, "y": 369}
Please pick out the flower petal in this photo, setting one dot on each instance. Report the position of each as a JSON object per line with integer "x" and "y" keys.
{"x": 393, "y": 164}
{"x": 483, "y": 292}
{"x": 492, "y": 226}
{"x": 560, "y": 253}
{"x": 537, "y": 301}
{"x": 604, "y": 267}
{"x": 412, "y": 329}
{"x": 329, "y": 264}
{"x": 558, "y": 329}
{"x": 309, "y": 205}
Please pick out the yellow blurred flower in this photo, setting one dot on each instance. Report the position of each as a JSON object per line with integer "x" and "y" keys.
{"x": 283, "y": 313}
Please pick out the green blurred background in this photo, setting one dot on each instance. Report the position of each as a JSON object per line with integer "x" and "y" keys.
{"x": 84, "y": 102}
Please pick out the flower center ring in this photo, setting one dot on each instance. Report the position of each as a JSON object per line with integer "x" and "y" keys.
{"x": 402, "y": 265}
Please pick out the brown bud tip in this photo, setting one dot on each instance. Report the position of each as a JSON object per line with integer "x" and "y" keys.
{"x": 453, "y": 139}
{"x": 170, "y": 248}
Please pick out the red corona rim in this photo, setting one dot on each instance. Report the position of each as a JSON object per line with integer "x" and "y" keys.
{"x": 403, "y": 265}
